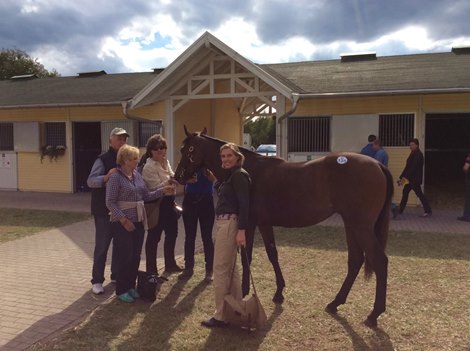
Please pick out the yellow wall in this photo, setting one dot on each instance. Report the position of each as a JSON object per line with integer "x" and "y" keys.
{"x": 195, "y": 115}
{"x": 55, "y": 175}
{"x": 228, "y": 123}
{"x": 50, "y": 175}
{"x": 219, "y": 116}
{"x": 222, "y": 120}
{"x": 417, "y": 104}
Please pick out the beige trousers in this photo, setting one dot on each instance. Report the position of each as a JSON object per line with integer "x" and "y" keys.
{"x": 225, "y": 256}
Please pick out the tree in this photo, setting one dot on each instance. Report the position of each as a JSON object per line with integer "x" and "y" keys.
{"x": 262, "y": 131}
{"x": 17, "y": 63}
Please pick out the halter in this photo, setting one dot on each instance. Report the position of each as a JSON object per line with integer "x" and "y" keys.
{"x": 190, "y": 158}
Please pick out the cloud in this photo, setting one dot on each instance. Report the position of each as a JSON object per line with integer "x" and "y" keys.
{"x": 137, "y": 35}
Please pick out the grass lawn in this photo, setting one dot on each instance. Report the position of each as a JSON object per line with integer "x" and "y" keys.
{"x": 428, "y": 302}
{"x": 18, "y": 223}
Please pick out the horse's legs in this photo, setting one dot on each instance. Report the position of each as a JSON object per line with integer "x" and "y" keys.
{"x": 271, "y": 250}
{"x": 379, "y": 262}
{"x": 363, "y": 241}
{"x": 355, "y": 261}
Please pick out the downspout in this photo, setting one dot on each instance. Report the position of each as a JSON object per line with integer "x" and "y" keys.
{"x": 125, "y": 109}
{"x": 295, "y": 100}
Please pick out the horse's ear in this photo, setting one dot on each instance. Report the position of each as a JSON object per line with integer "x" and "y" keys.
{"x": 204, "y": 131}
{"x": 186, "y": 131}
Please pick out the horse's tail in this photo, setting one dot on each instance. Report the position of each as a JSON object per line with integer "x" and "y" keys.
{"x": 381, "y": 225}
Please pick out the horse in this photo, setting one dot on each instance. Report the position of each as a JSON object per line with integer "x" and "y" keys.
{"x": 299, "y": 194}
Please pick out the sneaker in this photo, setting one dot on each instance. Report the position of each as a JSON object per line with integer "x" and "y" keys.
{"x": 134, "y": 294}
{"x": 126, "y": 297}
{"x": 97, "y": 289}
{"x": 214, "y": 323}
{"x": 426, "y": 214}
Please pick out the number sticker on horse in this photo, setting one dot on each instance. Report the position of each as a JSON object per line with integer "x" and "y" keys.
{"x": 342, "y": 160}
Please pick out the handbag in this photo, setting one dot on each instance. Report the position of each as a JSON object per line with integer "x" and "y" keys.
{"x": 247, "y": 313}
{"x": 146, "y": 288}
{"x": 153, "y": 212}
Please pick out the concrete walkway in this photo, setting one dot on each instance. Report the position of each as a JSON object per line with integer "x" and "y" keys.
{"x": 45, "y": 278}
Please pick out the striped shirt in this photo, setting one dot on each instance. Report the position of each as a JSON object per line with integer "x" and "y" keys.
{"x": 122, "y": 188}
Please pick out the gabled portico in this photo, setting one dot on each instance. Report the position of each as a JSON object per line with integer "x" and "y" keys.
{"x": 210, "y": 85}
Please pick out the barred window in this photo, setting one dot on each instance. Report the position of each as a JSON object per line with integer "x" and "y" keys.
{"x": 54, "y": 133}
{"x": 6, "y": 137}
{"x": 396, "y": 129}
{"x": 309, "y": 134}
{"x": 147, "y": 129}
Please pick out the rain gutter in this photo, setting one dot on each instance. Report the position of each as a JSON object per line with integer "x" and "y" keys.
{"x": 296, "y": 97}
{"x": 125, "y": 112}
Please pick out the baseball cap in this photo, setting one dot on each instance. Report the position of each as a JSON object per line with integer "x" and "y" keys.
{"x": 118, "y": 131}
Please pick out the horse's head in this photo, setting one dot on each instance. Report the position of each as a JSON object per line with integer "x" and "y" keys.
{"x": 192, "y": 156}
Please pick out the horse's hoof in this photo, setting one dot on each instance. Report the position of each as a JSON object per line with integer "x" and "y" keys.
{"x": 278, "y": 298}
{"x": 371, "y": 322}
{"x": 331, "y": 308}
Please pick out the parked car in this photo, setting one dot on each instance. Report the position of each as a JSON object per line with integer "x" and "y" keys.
{"x": 267, "y": 150}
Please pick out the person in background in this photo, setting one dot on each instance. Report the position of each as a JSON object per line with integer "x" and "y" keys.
{"x": 368, "y": 149}
{"x": 157, "y": 172}
{"x": 103, "y": 168}
{"x": 231, "y": 222}
{"x": 412, "y": 178}
{"x": 198, "y": 205}
{"x": 466, "y": 209}
{"x": 379, "y": 153}
{"x": 125, "y": 195}
{"x": 382, "y": 156}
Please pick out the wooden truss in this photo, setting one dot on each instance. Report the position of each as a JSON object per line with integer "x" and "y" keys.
{"x": 219, "y": 77}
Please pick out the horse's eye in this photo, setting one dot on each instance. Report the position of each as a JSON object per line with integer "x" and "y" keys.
{"x": 191, "y": 148}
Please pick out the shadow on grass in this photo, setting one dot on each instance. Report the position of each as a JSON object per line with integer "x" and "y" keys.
{"x": 383, "y": 342}
{"x": 403, "y": 243}
{"x": 164, "y": 317}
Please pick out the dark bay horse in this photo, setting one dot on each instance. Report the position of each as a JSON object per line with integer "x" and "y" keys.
{"x": 300, "y": 194}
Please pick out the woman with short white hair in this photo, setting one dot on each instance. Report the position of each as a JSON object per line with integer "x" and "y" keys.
{"x": 125, "y": 195}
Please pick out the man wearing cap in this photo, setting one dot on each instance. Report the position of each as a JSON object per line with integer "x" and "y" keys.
{"x": 103, "y": 168}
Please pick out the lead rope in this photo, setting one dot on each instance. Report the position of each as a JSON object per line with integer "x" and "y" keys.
{"x": 243, "y": 249}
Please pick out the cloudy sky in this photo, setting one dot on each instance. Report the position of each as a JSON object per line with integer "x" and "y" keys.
{"x": 74, "y": 36}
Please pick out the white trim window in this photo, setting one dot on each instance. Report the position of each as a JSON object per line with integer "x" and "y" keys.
{"x": 309, "y": 134}
{"x": 396, "y": 129}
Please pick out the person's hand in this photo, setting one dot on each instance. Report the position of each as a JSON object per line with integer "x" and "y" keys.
{"x": 241, "y": 237}
{"x": 109, "y": 174}
{"x": 173, "y": 181}
{"x": 193, "y": 179}
{"x": 210, "y": 175}
{"x": 169, "y": 190}
{"x": 127, "y": 224}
